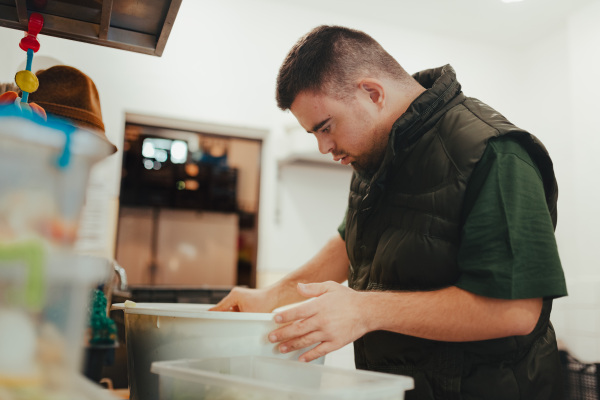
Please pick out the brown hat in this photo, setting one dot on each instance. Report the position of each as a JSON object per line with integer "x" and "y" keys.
{"x": 69, "y": 93}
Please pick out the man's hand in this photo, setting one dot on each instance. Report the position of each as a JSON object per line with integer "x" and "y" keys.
{"x": 339, "y": 315}
{"x": 247, "y": 300}
{"x": 332, "y": 319}
{"x": 330, "y": 263}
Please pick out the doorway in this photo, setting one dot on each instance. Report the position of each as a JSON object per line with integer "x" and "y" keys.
{"x": 188, "y": 207}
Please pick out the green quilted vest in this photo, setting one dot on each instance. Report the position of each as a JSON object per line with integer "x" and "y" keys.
{"x": 403, "y": 232}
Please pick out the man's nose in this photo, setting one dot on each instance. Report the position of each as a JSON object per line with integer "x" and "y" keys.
{"x": 325, "y": 145}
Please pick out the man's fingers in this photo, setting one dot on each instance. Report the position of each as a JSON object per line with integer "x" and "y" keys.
{"x": 302, "y": 311}
{"x": 308, "y": 308}
{"x": 318, "y": 351}
{"x": 301, "y": 342}
{"x": 293, "y": 330}
{"x": 225, "y": 307}
{"x": 227, "y": 304}
{"x": 313, "y": 289}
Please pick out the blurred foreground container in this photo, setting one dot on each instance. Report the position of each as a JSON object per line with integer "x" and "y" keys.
{"x": 44, "y": 287}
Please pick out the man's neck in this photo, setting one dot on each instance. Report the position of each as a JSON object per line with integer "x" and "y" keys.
{"x": 401, "y": 98}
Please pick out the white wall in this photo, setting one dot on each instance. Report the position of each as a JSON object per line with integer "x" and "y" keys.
{"x": 219, "y": 67}
{"x": 577, "y": 317}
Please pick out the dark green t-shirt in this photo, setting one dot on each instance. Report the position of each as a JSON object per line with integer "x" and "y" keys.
{"x": 508, "y": 248}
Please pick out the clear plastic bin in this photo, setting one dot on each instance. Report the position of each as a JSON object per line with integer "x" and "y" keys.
{"x": 44, "y": 288}
{"x": 172, "y": 331}
{"x": 266, "y": 378}
{"x": 42, "y": 186}
{"x": 44, "y": 298}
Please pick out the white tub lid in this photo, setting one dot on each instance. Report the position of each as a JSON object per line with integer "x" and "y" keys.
{"x": 187, "y": 310}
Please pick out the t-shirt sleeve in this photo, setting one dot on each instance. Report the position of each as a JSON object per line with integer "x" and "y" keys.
{"x": 508, "y": 249}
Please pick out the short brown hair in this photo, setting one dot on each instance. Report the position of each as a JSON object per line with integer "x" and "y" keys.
{"x": 328, "y": 59}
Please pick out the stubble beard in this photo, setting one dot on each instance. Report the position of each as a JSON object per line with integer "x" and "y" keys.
{"x": 368, "y": 164}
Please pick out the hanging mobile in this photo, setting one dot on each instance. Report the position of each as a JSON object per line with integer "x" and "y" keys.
{"x": 26, "y": 80}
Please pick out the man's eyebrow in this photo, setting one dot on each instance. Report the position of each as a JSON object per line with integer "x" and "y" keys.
{"x": 319, "y": 125}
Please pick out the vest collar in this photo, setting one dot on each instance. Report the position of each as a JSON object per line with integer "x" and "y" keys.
{"x": 442, "y": 87}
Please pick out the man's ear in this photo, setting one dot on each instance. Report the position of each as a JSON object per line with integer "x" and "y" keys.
{"x": 374, "y": 89}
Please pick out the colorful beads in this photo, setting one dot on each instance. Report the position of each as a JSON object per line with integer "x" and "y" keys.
{"x": 29, "y": 42}
{"x": 36, "y": 22}
{"x": 27, "y": 81}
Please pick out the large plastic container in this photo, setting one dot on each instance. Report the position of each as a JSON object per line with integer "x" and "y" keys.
{"x": 44, "y": 288}
{"x": 44, "y": 176}
{"x": 172, "y": 331}
{"x": 44, "y": 298}
{"x": 266, "y": 378}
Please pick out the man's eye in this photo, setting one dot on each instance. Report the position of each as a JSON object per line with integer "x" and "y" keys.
{"x": 325, "y": 130}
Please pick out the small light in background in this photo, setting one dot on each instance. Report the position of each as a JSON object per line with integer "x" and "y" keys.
{"x": 148, "y": 149}
{"x": 161, "y": 155}
{"x": 179, "y": 150}
{"x": 192, "y": 169}
{"x": 191, "y": 184}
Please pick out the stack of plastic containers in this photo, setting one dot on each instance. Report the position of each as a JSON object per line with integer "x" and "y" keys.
{"x": 267, "y": 378}
{"x": 171, "y": 331}
{"x": 44, "y": 287}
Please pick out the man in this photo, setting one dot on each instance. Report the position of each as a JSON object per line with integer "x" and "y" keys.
{"x": 448, "y": 243}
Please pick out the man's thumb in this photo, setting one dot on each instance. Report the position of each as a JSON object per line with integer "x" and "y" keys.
{"x": 311, "y": 289}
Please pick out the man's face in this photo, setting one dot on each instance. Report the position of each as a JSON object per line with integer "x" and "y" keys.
{"x": 348, "y": 129}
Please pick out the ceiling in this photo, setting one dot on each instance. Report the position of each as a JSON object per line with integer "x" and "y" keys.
{"x": 490, "y": 21}
{"x": 145, "y": 26}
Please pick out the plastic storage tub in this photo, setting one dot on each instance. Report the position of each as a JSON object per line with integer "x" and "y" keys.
{"x": 266, "y": 378}
{"x": 43, "y": 316}
{"x": 44, "y": 176}
{"x": 44, "y": 288}
{"x": 172, "y": 331}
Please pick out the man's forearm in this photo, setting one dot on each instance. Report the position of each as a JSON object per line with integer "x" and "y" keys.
{"x": 449, "y": 314}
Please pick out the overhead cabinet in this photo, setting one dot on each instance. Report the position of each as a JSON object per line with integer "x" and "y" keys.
{"x": 138, "y": 26}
